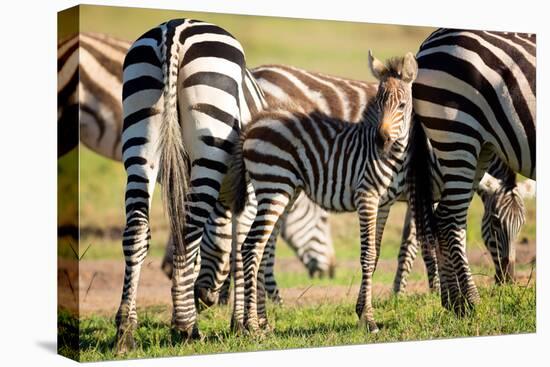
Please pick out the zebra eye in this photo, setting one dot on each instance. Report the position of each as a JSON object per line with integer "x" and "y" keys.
{"x": 401, "y": 105}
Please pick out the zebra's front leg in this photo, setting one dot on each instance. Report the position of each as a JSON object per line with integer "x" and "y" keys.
{"x": 367, "y": 208}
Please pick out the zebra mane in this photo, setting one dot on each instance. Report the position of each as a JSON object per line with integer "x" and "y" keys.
{"x": 395, "y": 66}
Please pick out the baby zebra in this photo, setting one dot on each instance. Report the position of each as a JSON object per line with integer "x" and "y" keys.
{"x": 341, "y": 166}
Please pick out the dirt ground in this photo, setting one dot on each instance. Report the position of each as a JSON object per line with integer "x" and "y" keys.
{"x": 100, "y": 282}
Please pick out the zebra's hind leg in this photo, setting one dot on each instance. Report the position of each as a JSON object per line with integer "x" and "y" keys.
{"x": 407, "y": 254}
{"x": 270, "y": 282}
{"x": 215, "y": 252}
{"x": 141, "y": 160}
{"x": 225, "y": 291}
{"x": 135, "y": 244}
{"x": 367, "y": 208}
{"x": 458, "y": 291}
{"x": 267, "y": 260}
{"x": 200, "y": 202}
{"x": 241, "y": 227}
{"x": 271, "y": 205}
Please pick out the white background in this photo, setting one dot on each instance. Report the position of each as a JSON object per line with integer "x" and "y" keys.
{"x": 28, "y": 182}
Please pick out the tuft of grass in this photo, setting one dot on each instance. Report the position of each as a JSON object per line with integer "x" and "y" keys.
{"x": 503, "y": 310}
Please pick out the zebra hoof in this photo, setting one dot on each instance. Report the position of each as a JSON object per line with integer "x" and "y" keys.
{"x": 369, "y": 325}
{"x": 265, "y": 326}
{"x": 223, "y": 299}
{"x": 253, "y": 330}
{"x": 205, "y": 298}
{"x": 461, "y": 305}
{"x": 372, "y": 327}
{"x": 125, "y": 341}
{"x": 237, "y": 327}
{"x": 278, "y": 300}
{"x": 186, "y": 335}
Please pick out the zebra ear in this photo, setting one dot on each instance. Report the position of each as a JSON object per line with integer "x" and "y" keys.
{"x": 377, "y": 68}
{"x": 410, "y": 68}
{"x": 488, "y": 185}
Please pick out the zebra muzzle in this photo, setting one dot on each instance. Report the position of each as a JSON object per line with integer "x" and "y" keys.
{"x": 383, "y": 141}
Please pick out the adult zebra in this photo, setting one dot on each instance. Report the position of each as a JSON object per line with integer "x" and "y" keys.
{"x": 186, "y": 92}
{"x": 475, "y": 97}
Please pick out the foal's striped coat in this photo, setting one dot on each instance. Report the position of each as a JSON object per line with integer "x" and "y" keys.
{"x": 340, "y": 166}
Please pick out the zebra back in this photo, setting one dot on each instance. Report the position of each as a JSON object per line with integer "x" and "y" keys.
{"x": 89, "y": 89}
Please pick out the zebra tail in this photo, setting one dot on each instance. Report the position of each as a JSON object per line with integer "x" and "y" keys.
{"x": 235, "y": 187}
{"x": 173, "y": 156}
{"x": 419, "y": 178}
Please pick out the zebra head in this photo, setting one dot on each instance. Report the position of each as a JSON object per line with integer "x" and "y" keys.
{"x": 503, "y": 217}
{"x": 394, "y": 98}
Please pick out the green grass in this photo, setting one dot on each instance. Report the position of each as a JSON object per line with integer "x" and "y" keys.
{"x": 503, "y": 310}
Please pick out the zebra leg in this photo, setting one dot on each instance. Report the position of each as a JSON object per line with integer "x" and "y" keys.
{"x": 223, "y": 298}
{"x": 429, "y": 255}
{"x": 141, "y": 164}
{"x": 367, "y": 207}
{"x": 270, "y": 281}
{"x": 458, "y": 291}
{"x": 270, "y": 207}
{"x": 407, "y": 254}
{"x": 201, "y": 201}
{"x": 215, "y": 250}
{"x": 262, "y": 314}
{"x": 242, "y": 225}
{"x": 269, "y": 255}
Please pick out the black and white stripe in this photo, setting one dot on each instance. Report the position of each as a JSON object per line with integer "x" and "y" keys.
{"x": 89, "y": 67}
{"x": 184, "y": 98}
{"x": 503, "y": 217}
{"x": 475, "y": 97}
{"x": 286, "y": 152}
{"x": 96, "y": 96}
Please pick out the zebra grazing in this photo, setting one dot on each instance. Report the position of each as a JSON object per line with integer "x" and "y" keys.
{"x": 503, "y": 217}
{"x": 340, "y": 166}
{"x": 186, "y": 92}
{"x": 475, "y": 98}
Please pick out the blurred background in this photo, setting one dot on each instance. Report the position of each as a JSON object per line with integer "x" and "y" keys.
{"x": 332, "y": 47}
